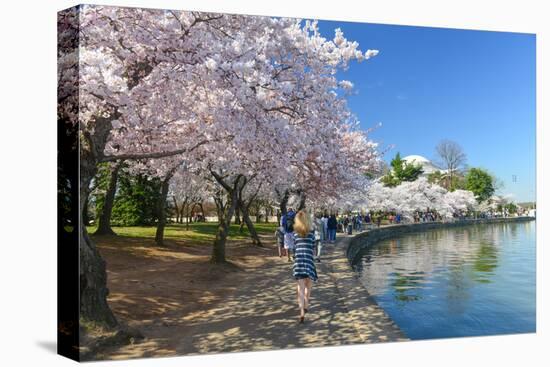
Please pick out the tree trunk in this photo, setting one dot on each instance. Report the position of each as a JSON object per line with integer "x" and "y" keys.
{"x": 85, "y": 215}
{"x": 237, "y": 216}
{"x": 104, "y": 220}
{"x": 92, "y": 271}
{"x": 225, "y": 213}
{"x": 302, "y": 204}
{"x": 202, "y": 212}
{"x": 182, "y": 214}
{"x": 187, "y": 216}
{"x": 284, "y": 202}
{"x": 177, "y": 209}
{"x": 241, "y": 226}
{"x": 93, "y": 275}
{"x": 241, "y": 222}
{"x": 251, "y": 229}
{"x": 245, "y": 210}
{"x": 161, "y": 207}
{"x": 268, "y": 213}
{"x": 192, "y": 213}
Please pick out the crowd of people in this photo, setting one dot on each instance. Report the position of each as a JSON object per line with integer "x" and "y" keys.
{"x": 426, "y": 216}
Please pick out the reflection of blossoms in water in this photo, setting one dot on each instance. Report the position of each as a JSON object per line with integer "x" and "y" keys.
{"x": 411, "y": 263}
{"x": 462, "y": 281}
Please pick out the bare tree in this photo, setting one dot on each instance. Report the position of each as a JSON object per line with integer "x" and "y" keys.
{"x": 452, "y": 158}
{"x": 498, "y": 184}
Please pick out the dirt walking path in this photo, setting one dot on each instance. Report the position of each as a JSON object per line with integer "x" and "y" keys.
{"x": 184, "y": 305}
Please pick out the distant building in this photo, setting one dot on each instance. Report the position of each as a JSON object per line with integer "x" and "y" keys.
{"x": 427, "y": 165}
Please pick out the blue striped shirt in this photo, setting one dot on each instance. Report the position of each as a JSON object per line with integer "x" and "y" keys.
{"x": 304, "y": 266}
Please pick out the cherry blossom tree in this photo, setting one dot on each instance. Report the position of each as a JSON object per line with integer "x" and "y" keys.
{"x": 261, "y": 100}
{"x": 410, "y": 197}
{"x": 289, "y": 124}
{"x": 126, "y": 81}
{"x": 461, "y": 200}
{"x": 381, "y": 198}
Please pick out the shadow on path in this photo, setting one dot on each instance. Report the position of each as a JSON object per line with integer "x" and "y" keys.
{"x": 262, "y": 314}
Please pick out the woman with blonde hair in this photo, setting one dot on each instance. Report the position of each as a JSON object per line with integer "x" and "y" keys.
{"x": 303, "y": 270}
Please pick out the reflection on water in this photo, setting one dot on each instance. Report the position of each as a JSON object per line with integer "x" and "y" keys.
{"x": 465, "y": 281}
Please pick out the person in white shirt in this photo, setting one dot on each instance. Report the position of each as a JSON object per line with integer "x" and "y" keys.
{"x": 324, "y": 221}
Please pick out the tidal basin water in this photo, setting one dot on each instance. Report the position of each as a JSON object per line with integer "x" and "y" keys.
{"x": 464, "y": 281}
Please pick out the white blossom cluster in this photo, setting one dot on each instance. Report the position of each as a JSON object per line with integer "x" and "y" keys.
{"x": 420, "y": 195}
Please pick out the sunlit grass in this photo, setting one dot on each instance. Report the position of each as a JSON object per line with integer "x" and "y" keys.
{"x": 197, "y": 233}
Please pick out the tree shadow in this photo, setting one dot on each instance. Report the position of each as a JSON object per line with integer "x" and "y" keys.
{"x": 184, "y": 305}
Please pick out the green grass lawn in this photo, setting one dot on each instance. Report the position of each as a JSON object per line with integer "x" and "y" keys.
{"x": 197, "y": 233}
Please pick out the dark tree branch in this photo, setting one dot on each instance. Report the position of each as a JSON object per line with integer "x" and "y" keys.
{"x": 110, "y": 158}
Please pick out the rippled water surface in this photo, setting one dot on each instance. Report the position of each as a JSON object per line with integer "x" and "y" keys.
{"x": 466, "y": 281}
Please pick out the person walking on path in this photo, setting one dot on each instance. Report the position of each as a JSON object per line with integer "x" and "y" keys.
{"x": 304, "y": 270}
{"x": 280, "y": 236}
{"x": 288, "y": 225}
{"x": 318, "y": 246}
{"x": 346, "y": 224}
{"x": 332, "y": 224}
{"x": 319, "y": 236}
{"x": 324, "y": 221}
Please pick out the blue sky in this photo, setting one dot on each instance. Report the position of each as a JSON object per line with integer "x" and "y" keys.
{"x": 427, "y": 84}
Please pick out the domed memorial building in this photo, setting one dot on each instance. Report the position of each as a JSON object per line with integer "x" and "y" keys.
{"x": 427, "y": 165}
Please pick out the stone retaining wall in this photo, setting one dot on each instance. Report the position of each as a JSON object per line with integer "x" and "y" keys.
{"x": 370, "y": 237}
